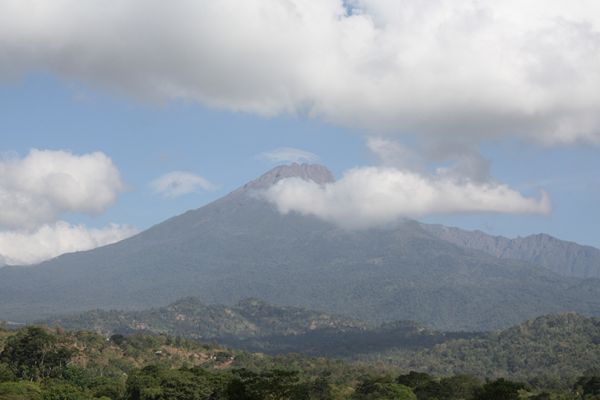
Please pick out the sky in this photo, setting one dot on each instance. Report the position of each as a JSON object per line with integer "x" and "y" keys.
{"x": 478, "y": 114}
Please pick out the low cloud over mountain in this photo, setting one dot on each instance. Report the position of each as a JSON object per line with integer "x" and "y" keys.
{"x": 367, "y": 197}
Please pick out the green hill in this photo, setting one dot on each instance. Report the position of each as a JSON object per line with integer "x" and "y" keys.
{"x": 549, "y": 349}
{"x": 258, "y": 326}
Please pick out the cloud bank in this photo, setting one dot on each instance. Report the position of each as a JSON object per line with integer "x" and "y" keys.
{"x": 45, "y": 184}
{"x": 178, "y": 183}
{"x": 289, "y": 155}
{"x": 373, "y": 196}
{"x": 36, "y": 190}
{"x": 441, "y": 68}
{"x": 51, "y": 240}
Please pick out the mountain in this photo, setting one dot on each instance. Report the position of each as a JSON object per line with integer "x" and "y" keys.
{"x": 255, "y": 325}
{"x": 241, "y": 247}
{"x": 564, "y": 258}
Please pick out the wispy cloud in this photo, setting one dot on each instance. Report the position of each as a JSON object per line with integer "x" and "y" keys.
{"x": 289, "y": 154}
{"x": 179, "y": 183}
{"x": 391, "y": 153}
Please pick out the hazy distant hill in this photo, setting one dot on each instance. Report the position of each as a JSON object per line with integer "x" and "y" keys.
{"x": 258, "y": 326}
{"x": 239, "y": 247}
{"x": 564, "y": 258}
{"x": 193, "y": 319}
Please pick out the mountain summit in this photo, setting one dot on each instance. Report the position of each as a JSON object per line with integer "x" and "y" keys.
{"x": 240, "y": 246}
{"x": 308, "y": 172}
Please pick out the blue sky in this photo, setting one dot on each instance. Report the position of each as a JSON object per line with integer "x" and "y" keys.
{"x": 459, "y": 120}
{"x": 146, "y": 140}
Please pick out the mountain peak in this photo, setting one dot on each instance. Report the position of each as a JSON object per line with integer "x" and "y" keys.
{"x": 308, "y": 172}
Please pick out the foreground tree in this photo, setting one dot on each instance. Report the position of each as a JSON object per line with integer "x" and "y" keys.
{"x": 382, "y": 388}
{"x": 588, "y": 387}
{"x": 267, "y": 385}
{"x": 500, "y": 389}
{"x": 34, "y": 353}
{"x": 20, "y": 391}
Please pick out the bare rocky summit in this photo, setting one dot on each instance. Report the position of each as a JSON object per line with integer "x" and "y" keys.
{"x": 308, "y": 172}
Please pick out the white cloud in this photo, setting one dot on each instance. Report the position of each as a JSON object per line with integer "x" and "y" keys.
{"x": 442, "y": 68}
{"x": 38, "y": 188}
{"x": 178, "y": 183}
{"x": 289, "y": 155}
{"x": 51, "y": 240}
{"x": 371, "y": 196}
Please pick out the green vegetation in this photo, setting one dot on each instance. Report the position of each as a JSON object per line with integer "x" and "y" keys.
{"x": 34, "y": 353}
{"x": 384, "y": 388}
{"x": 38, "y": 363}
{"x": 42, "y": 364}
{"x": 551, "y": 350}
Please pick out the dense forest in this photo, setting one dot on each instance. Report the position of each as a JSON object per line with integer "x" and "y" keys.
{"x": 551, "y": 350}
{"x": 41, "y": 364}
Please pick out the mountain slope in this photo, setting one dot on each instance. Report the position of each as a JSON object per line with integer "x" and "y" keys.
{"x": 239, "y": 247}
{"x": 564, "y": 258}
